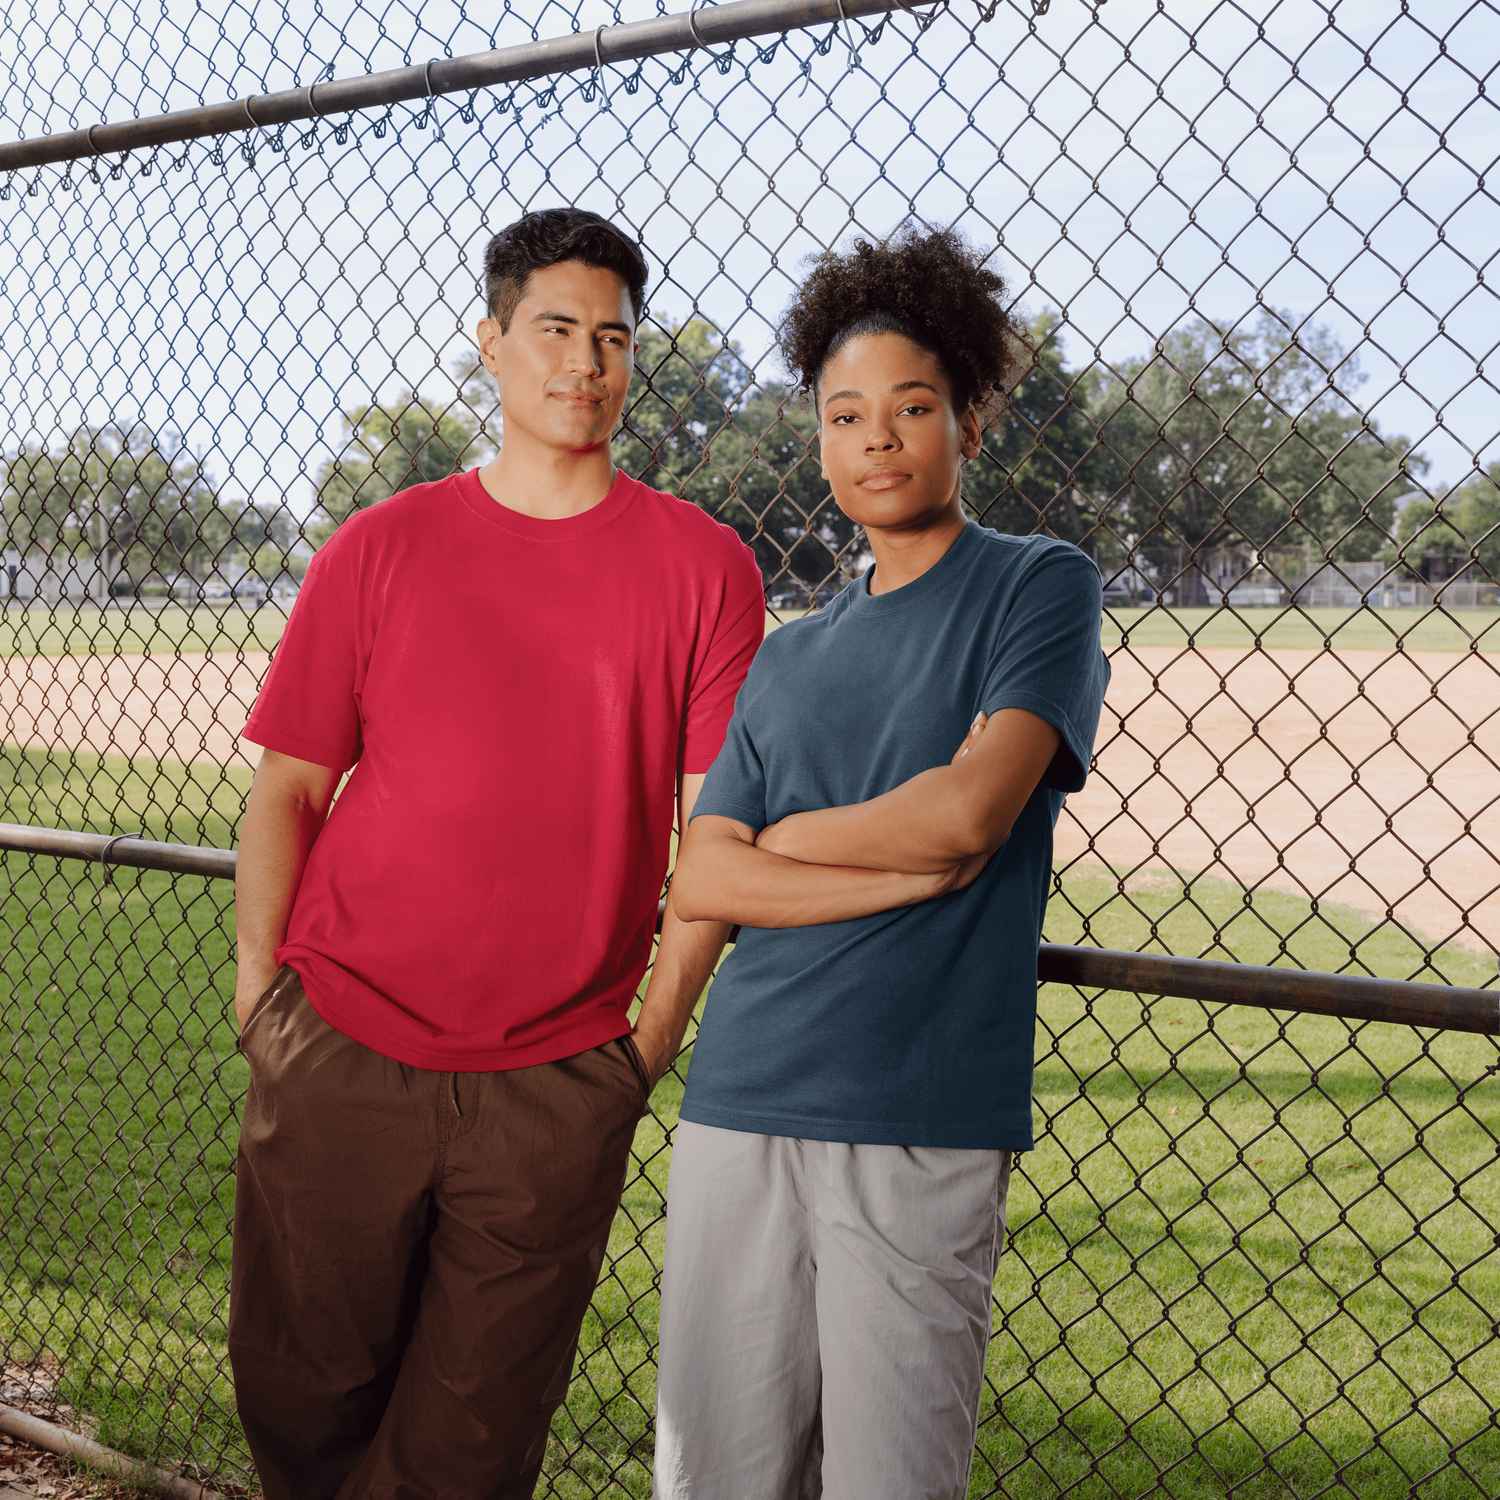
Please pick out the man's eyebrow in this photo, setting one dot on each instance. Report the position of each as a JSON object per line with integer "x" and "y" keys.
{"x": 561, "y": 317}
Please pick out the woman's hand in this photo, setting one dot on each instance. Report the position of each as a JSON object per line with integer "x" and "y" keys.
{"x": 967, "y": 871}
{"x": 777, "y": 838}
{"x": 971, "y": 738}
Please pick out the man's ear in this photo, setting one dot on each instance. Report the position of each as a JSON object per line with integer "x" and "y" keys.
{"x": 487, "y": 334}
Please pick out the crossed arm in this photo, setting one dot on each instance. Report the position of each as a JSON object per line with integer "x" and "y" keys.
{"x": 928, "y": 836}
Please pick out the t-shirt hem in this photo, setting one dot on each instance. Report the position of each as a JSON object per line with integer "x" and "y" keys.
{"x": 1057, "y": 717}
{"x": 270, "y": 738}
{"x": 964, "y": 1135}
{"x": 602, "y": 1029}
{"x": 745, "y": 815}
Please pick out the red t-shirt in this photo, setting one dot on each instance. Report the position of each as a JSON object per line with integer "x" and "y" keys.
{"x": 517, "y": 697}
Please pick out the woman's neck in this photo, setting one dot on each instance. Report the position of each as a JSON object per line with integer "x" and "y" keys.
{"x": 902, "y": 556}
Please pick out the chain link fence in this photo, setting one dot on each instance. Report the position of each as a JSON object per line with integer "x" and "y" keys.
{"x": 1255, "y": 1251}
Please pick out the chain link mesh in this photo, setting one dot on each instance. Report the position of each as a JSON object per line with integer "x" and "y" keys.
{"x": 1252, "y": 1253}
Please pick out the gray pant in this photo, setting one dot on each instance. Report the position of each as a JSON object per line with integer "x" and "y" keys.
{"x": 824, "y": 1316}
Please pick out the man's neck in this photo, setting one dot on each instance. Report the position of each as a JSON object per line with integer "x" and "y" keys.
{"x": 548, "y": 483}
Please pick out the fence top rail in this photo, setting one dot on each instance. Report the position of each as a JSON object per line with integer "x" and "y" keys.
{"x": 694, "y": 29}
{"x": 1352, "y": 996}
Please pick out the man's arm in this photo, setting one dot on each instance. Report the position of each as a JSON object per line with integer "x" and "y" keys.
{"x": 951, "y": 813}
{"x": 288, "y": 803}
{"x": 686, "y": 954}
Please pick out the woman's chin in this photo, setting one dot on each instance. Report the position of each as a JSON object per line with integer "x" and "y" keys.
{"x": 889, "y": 510}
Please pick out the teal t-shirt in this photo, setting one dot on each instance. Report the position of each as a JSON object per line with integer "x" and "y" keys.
{"x": 911, "y": 1027}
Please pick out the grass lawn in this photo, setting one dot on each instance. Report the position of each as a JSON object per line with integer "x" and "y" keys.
{"x": 136, "y": 626}
{"x": 1281, "y": 629}
{"x": 182, "y": 803}
{"x": 239, "y": 625}
{"x": 1240, "y": 1234}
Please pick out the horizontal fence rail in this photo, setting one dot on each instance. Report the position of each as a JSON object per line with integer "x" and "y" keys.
{"x": 1446, "y": 1007}
{"x": 709, "y": 26}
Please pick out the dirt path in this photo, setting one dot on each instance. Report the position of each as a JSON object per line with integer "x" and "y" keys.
{"x": 1368, "y": 779}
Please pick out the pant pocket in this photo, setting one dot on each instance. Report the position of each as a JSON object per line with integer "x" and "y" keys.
{"x": 638, "y": 1063}
{"x": 259, "y": 1008}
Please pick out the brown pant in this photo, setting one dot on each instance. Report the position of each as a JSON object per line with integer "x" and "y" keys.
{"x": 413, "y": 1256}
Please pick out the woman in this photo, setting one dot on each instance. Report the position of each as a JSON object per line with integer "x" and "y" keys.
{"x": 879, "y": 823}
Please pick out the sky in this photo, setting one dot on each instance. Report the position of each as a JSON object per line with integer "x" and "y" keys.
{"x": 1134, "y": 165}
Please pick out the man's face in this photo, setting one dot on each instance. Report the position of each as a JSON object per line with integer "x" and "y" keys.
{"x": 890, "y": 440}
{"x": 563, "y": 366}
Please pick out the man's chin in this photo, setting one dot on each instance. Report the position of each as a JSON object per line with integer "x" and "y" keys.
{"x": 581, "y": 437}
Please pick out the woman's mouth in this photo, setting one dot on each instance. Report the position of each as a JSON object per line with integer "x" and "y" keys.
{"x": 883, "y": 479}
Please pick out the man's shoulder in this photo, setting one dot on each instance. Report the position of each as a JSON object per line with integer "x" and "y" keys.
{"x": 391, "y": 521}
{"x": 689, "y": 526}
{"x": 412, "y": 506}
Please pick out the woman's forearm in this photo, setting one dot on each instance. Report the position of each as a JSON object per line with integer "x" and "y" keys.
{"x": 923, "y": 825}
{"x": 727, "y": 880}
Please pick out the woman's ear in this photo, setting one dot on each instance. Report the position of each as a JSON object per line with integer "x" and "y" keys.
{"x": 970, "y": 432}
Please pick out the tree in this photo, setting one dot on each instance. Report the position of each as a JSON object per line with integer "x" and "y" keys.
{"x": 263, "y": 536}
{"x": 125, "y": 502}
{"x": 690, "y": 384}
{"x": 1250, "y": 437}
{"x": 1440, "y": 537}
{"x": 386, "y": 449}
{"x": 1042, "y": 468}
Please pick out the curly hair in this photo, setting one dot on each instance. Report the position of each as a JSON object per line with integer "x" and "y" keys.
{"x": 545, "y": 238}
{"x": 927, "y": 284}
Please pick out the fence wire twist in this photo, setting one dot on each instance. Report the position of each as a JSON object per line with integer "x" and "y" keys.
{"x": 1252, "y": 1253}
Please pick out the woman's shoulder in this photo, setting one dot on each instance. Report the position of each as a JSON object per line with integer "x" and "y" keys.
{"x": 1014, "y": 559}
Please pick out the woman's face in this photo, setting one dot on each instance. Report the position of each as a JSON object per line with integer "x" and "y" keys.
{"x": 890, "y": 439}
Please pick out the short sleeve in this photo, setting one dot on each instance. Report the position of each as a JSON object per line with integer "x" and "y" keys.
{"x": 721, "y": 665}
{"x": 736, "y": 783}
{"x": 308, "y": 704}
{"x": 1049, "y": 661}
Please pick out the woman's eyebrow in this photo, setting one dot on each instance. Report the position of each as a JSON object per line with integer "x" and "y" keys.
{"x": 904, "y": 385}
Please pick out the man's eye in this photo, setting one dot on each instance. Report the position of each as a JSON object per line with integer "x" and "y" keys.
{"x": 843, "y": 417}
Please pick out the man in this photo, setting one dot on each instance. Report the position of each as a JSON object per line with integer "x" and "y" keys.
{"x": 521, "y": 663}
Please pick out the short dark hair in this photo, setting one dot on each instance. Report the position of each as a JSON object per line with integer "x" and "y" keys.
{"x": 926, "y": 284}
{"x": 545, "y": 238}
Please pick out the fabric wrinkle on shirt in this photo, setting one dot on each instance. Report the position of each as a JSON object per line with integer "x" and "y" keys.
{"x": 517, "y": 698}
{"x": 913, "y": 1026}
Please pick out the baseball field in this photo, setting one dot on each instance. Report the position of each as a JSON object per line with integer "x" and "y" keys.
{"x": 1249, "y": 1250}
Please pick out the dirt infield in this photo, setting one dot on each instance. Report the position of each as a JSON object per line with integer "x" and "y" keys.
{"x": 1367, "y": 779}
